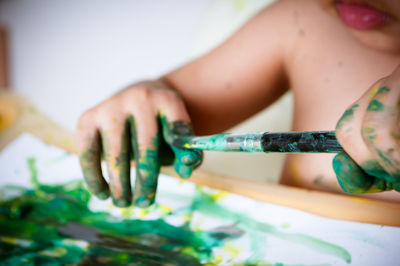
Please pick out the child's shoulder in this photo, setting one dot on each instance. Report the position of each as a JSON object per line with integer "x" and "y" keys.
{"x": 301, "y": 21}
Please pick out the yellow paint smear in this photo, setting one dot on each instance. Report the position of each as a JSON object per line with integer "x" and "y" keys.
{"x": 8, "y": 114}
{"x": 373, "y": 92}
{"x": 359, "y": 200}
{"x": 294, "y": 171}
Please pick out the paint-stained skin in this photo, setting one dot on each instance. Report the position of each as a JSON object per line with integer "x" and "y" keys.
{"x": 98, "y": 186}
{"x": 137, "y": 124}
{"x": 352, "y": 179}
{"x": 147, "y": 168}
{"x": 119, "y": 167}
{"x": 148, "y": 162}
{"x": 375, "y": 105}
{"x": 347, "y": 115}
{"x": 185, "y": 160}
{"x": 376, "y": 166}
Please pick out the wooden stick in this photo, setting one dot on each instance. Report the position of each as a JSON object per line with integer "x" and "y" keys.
{"x": 4, "y": 70}
{"x": 18, "y": 116}
{"x": 25, "y": 118}
{"x": 337, "y": 206}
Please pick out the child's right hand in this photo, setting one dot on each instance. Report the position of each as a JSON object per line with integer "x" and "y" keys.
{"x": 137, "y": 122}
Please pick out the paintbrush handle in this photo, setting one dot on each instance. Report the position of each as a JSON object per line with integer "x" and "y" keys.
{"x": 301, "y": 142}
{"x": 285, "y": 142}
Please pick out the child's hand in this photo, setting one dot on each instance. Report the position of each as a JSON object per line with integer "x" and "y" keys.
{"x": 137, "y": 122}
{"x": 369, "y": 131}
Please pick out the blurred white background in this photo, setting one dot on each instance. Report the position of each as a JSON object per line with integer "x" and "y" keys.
{"x": 66, "y": 56}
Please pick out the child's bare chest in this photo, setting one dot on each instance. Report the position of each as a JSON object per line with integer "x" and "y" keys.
{"x": 325, "y": 84}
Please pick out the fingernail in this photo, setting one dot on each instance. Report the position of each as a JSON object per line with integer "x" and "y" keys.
{"x": 121, "y": 203}
{"x": 103, "y": 195}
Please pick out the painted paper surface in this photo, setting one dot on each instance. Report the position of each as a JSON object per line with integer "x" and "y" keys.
{"x": 188, "y": 225}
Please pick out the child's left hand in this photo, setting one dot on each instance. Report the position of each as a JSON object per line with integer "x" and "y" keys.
{"x": 369, "y": 132}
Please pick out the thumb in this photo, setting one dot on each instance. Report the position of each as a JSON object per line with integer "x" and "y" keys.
{"x": 185, "y": 160}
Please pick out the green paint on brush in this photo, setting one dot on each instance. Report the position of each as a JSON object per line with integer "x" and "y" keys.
{"x": 90, "y": 161}
{"x": 148, "y": 162}
{"x": 223, "y": 142}
{"x": 347, "y": 116}
{"x": 375, "y": 106}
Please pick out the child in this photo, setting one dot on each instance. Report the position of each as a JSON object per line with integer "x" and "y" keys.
{"x": 333, "y": 55}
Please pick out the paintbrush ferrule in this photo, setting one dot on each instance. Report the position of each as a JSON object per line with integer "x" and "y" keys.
{"x": 222, "y": 142}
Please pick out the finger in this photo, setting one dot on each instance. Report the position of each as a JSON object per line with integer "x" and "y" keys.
{"x": 352, "y": 138}
{"x": 352, "y": 179}
{"x": 89, "y": 150}
{"x": 116, "y": 148}
{"x": 145, "y": 144}
{"x": 175, "y": 121}
{"x": 380, "y": 131}
{"x": 185, "y": 160}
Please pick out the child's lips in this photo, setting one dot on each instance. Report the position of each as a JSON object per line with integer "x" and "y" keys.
{"x": 361, "y": 17}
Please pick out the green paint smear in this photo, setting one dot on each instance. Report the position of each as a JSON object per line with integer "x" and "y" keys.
{"x": 32, "y": 169}
{"x": 375, "y": 106}
{"x": 186, "y": 160}
{"x": 369, "y": 177}
{"x": 347, "y": 116}
{"x": 47, "y": 223}
{"x": 47, "y": 216}
{"x": 383, "y": 89}
{"x": 373, "y": 168}
{"x": 206, "y": 204}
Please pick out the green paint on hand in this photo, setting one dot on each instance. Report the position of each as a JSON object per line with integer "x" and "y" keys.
{"x": 147, "y": 168}
{"x": 375, "y": 106}
{"x": 347, "y": 116}
{"x": 383, "y": 89}
{"x": 373, "y": 168}
{"x": 185, "y": 160}
{"x": 225, "y": 142}
{"x": 353, "y": 179}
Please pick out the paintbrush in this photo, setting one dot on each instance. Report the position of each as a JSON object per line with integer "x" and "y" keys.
{"x": 286, "y": 142}
{"x": 17, "y": 116}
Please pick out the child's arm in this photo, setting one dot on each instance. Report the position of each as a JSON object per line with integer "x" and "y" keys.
{"x": 239, "y": 78}
{"x": 369, "y": 132}
{"x": 220, "y": 89}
